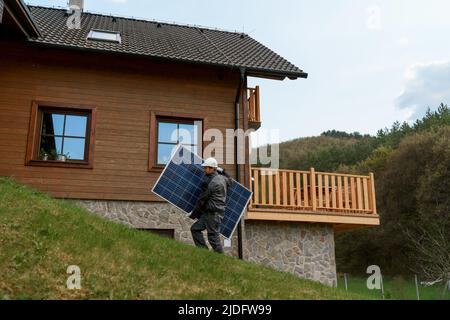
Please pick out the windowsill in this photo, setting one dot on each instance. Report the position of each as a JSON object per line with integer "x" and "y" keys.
{"x": 156, "y": 169}
{"x": 60, "y": 164}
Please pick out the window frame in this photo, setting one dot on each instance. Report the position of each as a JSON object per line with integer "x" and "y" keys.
{"x": 91, "y": 37}
{"x": 156, "y": 117}
{"x": 35, "y": 131}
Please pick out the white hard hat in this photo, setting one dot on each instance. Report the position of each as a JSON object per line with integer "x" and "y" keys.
{"x": 210, "y": 162}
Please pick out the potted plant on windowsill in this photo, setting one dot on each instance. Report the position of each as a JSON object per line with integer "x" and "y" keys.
{"x": 43, "y": 155}
{"x": 48, "y": 155}
{"x": 63, "y": 157}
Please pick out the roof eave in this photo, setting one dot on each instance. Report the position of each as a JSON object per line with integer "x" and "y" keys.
{"x": 20, "y": 13}
{"x": 276, "y": 75}
{"x": 259, "y": 73}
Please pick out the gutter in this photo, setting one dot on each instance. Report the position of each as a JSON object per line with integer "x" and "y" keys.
{"x": 276, "y": 75}
{"x": 236, "y": 149}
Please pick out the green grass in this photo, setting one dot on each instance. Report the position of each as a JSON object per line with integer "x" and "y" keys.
{"x": 395, "y": 288}
{"x": 40, "y": 237}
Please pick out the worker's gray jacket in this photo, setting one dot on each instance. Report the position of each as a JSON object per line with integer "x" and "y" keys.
{"x": 214, "y": 194}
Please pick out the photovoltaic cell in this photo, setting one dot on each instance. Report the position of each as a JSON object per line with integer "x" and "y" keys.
{"x": 180, "y": 185}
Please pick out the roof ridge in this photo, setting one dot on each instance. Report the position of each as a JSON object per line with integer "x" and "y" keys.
{"x": 170, "y": 23}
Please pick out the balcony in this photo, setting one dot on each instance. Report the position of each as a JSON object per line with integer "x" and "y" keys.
{"x": 346, "y": 201}
{"x": 254, "y": 115}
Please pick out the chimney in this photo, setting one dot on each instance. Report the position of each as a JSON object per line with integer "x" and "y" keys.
{"x": 75, "y": 5}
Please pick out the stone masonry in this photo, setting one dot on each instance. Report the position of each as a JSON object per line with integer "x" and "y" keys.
{"x": 149, "y": 215}
{"x": 306, "y": 250}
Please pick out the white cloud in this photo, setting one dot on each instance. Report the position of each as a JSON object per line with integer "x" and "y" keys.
{"x": 404, "y": 41}
{"x": 427, "y": 85}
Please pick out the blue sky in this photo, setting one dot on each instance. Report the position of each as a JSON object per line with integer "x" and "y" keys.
{"x": 370, "y": 63}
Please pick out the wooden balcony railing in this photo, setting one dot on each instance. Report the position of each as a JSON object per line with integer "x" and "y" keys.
{"x": 254, "y": 115}
{"x": 311, "y": 191}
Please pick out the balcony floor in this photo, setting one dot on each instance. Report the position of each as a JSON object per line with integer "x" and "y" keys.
{"x": 342, "y": 221}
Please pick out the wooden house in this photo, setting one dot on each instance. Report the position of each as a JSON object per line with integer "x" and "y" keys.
{"x": 85, "y": 115}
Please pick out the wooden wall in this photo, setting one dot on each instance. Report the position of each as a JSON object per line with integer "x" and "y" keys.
{"x": 125, "y": 91}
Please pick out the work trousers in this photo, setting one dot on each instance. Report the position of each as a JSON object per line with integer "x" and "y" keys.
{"x": 209, "y": 221}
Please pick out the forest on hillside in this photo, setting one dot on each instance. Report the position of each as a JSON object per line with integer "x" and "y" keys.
{"x": 411, "y": 163}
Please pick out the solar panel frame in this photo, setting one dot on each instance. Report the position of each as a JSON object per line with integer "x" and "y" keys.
{"x": 232, "y": 205}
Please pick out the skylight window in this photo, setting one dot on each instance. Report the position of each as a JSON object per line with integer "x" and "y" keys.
{"x": 109, "y": 36}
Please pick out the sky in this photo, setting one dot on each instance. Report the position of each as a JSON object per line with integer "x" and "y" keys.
{"x": 370, "y": 63}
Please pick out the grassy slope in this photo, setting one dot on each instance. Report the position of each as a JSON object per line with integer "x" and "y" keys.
{"x": 40, "y": 237}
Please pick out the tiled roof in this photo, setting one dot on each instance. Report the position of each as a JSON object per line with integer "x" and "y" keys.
{"x": 163, "y": 40}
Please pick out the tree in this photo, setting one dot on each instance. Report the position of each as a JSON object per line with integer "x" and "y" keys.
{"x": 430, "y": 237}
{"x": 413, "y": 199}
{"x": 430, "y": 243}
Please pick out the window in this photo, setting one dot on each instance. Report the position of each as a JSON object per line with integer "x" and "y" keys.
{"x": 168, "y": 130}
{"x": 171, "y": 133}
{"x": 61, "y": 136}
{"x": 168, "y": 233}
{"x": 109, "y": 36}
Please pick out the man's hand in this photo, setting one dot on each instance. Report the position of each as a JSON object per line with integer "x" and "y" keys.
{"x": 195, "y": 214}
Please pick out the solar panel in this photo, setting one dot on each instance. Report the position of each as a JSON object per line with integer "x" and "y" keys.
{"x": 180, "y": 185}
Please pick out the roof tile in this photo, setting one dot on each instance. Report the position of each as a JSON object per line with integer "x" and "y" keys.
{"x": 162, "y": 40}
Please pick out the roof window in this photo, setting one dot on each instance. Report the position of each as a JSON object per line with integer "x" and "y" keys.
{"x": 109, "y": 36}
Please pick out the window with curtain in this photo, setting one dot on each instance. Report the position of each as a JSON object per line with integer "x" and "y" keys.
{"x": 64, "y": 135}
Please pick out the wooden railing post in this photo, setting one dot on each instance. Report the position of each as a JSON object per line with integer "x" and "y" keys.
{"x": 251, "y": 189}
{"x": 255, "y": 189}
{"x": 251, "y": 104}
{"x": 313, "y": 189}
{"x": 257, "y": 105}
{"x": 372, "y": 193}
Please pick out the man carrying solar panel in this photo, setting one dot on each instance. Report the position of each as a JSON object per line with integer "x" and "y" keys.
{"x": 210, "y": 207}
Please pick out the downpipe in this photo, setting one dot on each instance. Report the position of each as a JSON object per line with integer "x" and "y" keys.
{"x": 238, "y": 168}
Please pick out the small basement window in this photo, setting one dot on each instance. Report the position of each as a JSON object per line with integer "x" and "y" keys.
{"x": 109, "y": 36}
{"x": 168, "y": 233}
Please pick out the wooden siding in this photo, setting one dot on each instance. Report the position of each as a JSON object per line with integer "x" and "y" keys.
{"x": 124, "y": 91}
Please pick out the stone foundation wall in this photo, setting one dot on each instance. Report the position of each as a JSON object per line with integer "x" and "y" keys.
{"x": 306, "y": 250}
{"x": 149, "y": 215}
